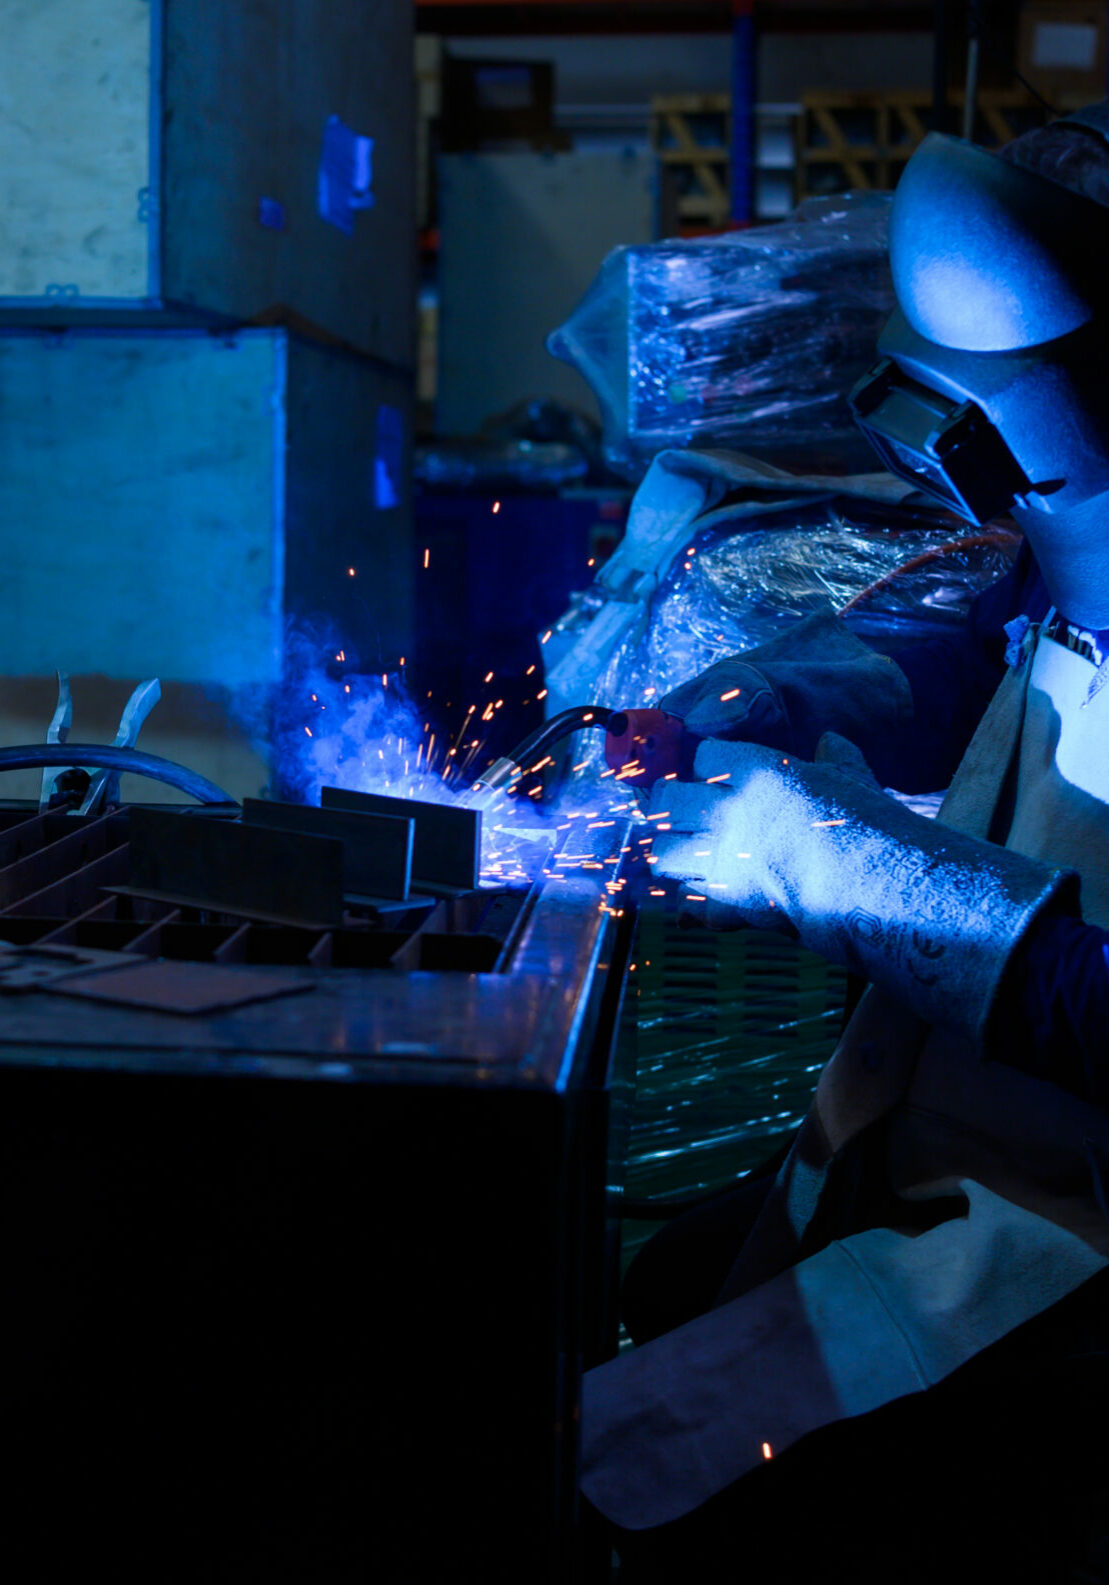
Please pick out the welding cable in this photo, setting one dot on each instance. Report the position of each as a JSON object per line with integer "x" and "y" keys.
{"x": 104, "y": 756}
{"x": 512, "y": 765}
{"x": 998, "y": 538}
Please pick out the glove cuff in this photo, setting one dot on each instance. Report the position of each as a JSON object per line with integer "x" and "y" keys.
{"x": 944, "y": 912}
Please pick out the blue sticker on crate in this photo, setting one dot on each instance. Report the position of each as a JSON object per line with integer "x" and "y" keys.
{"x": 271, "y": 214}
{"x": 389, "y": 457}
{"x": 346, "y": 174}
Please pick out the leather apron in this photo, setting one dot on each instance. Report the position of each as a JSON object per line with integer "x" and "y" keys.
{"x": 793, "y": 1343}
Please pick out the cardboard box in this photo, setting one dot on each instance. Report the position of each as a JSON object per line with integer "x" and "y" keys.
{"x": 1062, "y": 49}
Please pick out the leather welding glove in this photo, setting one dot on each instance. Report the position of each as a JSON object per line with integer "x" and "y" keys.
{"x": 929, "y": 913}
{"x": 817, "y": 677}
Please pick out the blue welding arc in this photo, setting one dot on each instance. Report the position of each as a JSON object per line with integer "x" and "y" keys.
{"x": 104, "y": 756}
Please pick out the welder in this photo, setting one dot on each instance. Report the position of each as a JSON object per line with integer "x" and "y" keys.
{"x": 886, "y": 1355}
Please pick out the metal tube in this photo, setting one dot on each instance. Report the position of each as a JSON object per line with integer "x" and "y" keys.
{"x": 106, "y": 756}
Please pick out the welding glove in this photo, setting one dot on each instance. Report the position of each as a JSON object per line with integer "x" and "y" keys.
{"x": 815, "y": 678}
{"x": 929, "y": 913}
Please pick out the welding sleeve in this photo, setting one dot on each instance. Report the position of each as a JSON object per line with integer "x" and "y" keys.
{"x": 817, "y": 677}
{"x": 926, "y": 912}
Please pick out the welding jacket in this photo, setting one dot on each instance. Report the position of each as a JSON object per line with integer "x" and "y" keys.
{"x": 802, "y": 1336}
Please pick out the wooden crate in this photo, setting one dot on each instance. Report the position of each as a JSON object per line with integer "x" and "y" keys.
{"x": 164, "y": 158}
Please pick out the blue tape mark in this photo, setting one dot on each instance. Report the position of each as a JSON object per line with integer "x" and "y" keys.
{"x": 1015, "y": 632}
{"x": 389, "y": 458}
{"x": 271, "y": 214}
{"x": 345, "y": 174}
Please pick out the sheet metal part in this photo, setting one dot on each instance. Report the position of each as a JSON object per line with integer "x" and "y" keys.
{"x": 446, "y": 853}
{"x": 377, "y": 848}
{"x": 283, "y": 876}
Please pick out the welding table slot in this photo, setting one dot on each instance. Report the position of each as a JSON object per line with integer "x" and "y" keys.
{"x": 149, "y": 943}
{"x": 104, "y": 912}
{"x": 51, "y": 859}
{"x": 377, "y": 848}
{"x": 76, "y": 890}
{"x": 456, "y": 936}
{"x": 106, "y": 935}
{"x": 446, "y": 846}
{"x": 20, "y": 835}
{"x": 20, "y": 932}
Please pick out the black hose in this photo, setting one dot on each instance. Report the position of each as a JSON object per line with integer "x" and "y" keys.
{"x": 105, "y": 756}
{"x": 559, "y": 726}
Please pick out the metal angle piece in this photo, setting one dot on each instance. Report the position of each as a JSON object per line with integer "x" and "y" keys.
{"x": 377, "y": 849}
{"x": 281, "y": 876}
{"x": 446, "y": 851}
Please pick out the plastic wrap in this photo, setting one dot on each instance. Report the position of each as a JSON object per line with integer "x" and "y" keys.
{"x": 488, "y": 464}
{"x": 732, "y": 591}
{"x": 749, "y": 340}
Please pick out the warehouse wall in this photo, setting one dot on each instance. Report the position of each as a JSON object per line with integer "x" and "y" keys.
{"x": 630, "y": 70}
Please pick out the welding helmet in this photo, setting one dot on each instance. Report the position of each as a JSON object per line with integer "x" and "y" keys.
{"x": 991, "y": 392}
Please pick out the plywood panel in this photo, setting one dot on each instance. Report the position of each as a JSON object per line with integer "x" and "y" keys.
{"x": 163, "y": 156}
{"x": 75, "y": 147}
{"x": 170, "y": 499}
{"x": 141, "y": 485}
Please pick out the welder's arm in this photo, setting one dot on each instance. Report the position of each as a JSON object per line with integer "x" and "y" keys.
{"x": 926, "y": 912}
{"x": 952, "y": 679}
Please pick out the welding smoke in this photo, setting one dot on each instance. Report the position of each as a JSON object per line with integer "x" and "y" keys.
{"x": 333, "y": 725}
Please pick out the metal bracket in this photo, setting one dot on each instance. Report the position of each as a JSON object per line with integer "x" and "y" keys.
{"x": 103, "y": 788}
{"x": 57, "y": 732}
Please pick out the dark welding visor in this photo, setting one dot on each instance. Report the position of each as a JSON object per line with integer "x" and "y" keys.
{"x": 947, "y": 447}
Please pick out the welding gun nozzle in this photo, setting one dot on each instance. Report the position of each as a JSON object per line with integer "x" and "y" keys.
{"x": 499, "y": 774}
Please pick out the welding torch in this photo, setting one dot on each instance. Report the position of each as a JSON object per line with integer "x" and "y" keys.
{"x": 641, "y": 746}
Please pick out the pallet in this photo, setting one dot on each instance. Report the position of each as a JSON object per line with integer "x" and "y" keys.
{"x": 864, "y": 140}
{"x": 691, "y": 136}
